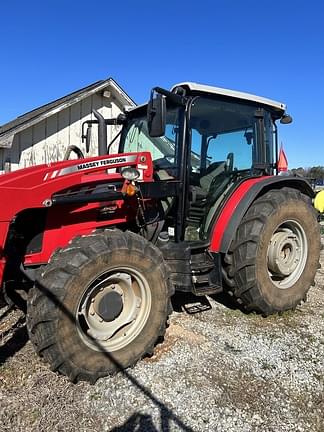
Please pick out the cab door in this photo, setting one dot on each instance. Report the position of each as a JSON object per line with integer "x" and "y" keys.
{"x": 223, "y": 142}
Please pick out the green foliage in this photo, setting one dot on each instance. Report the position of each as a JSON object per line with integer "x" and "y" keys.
{"x": 316, "y": 172}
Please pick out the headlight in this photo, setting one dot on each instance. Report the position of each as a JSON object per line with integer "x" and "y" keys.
{"x": 130, "y": 173}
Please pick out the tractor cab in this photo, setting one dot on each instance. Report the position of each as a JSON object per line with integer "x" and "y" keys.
{"x": 209, "y": 140}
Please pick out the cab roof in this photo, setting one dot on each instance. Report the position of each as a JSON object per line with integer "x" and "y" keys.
{"x": 201, "y": 88}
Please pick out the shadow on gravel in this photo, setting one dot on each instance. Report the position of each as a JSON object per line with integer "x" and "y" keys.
{"x": 190, "y": 303}
{"x": 228, "y": 301}
{"x": 137, "y": 422}
{"x": 6, "y": 312}
{"x": 17, "y": 341}
{"x": 143, "y": 423}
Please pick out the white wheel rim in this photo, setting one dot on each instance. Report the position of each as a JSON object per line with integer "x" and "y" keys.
{"x": 287, "y": 254}
{"x": 115, "y": 333}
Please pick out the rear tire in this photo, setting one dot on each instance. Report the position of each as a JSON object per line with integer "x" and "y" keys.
{"x": 71, "y": 319}
{"x": 275, "y": 253}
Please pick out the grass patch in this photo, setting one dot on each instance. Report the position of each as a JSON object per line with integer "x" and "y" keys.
{"x": 35, "y": 414}
{"x": 95, "y": 396}
{"x": 266, "y": 365}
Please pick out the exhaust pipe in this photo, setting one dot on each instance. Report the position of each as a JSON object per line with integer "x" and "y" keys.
{"x": 102, "y": 133}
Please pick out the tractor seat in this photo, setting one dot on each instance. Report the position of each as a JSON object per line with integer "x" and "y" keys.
{"x": 199, "y": 190}
{"x": 212, "y": 185}
{"x": 214, "y": 170}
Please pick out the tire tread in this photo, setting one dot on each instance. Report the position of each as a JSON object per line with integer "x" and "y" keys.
{"x": 42, "y": 314}
{"x": 240, "y": 260}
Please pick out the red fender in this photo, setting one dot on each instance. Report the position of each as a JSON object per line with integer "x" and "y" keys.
{"x": 238, "y": 203}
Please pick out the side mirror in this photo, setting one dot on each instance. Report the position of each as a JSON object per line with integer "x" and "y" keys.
{"x": 156, "y": 115}
{"x": 249, "y": 137}
{"x": 286, "y": 119}
{"x": 88, "y": 138}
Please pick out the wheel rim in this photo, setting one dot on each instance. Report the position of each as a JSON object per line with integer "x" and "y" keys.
{"x": 287, "y": 254}
{"x": 114, "y": 309}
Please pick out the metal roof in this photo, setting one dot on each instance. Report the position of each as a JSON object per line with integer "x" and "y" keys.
{"x": 35, "y": 116}
{"x": 231, "y": 93}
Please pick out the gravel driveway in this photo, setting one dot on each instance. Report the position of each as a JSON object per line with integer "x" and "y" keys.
{"x": 217, "y": 370}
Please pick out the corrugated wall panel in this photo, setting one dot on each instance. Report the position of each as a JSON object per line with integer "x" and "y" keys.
{"x": 38, "y": 148}
{"x": 50, "y": 143}
{"x": 21, "y": 155}
{"x": 63, "y": 133}
{"x": 75, "y": 127}
{"x": 114, "y": 111}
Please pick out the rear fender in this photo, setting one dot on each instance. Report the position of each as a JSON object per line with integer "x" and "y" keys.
{"x": 241, "y": 199}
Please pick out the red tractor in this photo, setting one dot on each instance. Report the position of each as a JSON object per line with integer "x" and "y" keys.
{"x": 190, "y": 203}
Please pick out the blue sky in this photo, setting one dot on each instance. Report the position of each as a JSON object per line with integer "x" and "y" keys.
{"x": 273, "y": 49}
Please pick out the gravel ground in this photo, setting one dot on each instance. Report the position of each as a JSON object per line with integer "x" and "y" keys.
{"x": 217, "y": 370}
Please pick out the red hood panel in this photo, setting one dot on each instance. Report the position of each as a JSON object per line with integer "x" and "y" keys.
{"x": 29, "y": 187}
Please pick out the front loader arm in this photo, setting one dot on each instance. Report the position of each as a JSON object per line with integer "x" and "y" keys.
{"x": 49, "y": 186}
{"x": 34, "y": 187}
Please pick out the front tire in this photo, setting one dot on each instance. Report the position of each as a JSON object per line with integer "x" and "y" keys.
{"x": 275, "y": 253}
{"x": 99, "y": 305}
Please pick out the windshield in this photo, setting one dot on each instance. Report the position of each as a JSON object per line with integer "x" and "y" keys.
{"x": 164, "y": 150}
{"x": 221, "y": 128}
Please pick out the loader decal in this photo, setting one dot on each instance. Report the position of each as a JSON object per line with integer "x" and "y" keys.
{"x": 91, "y": 165}
{"x": 88, "y": 165}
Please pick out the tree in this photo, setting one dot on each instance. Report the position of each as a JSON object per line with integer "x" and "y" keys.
{"x": 299, "y": 172}
{"x": 316, "y": 172}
